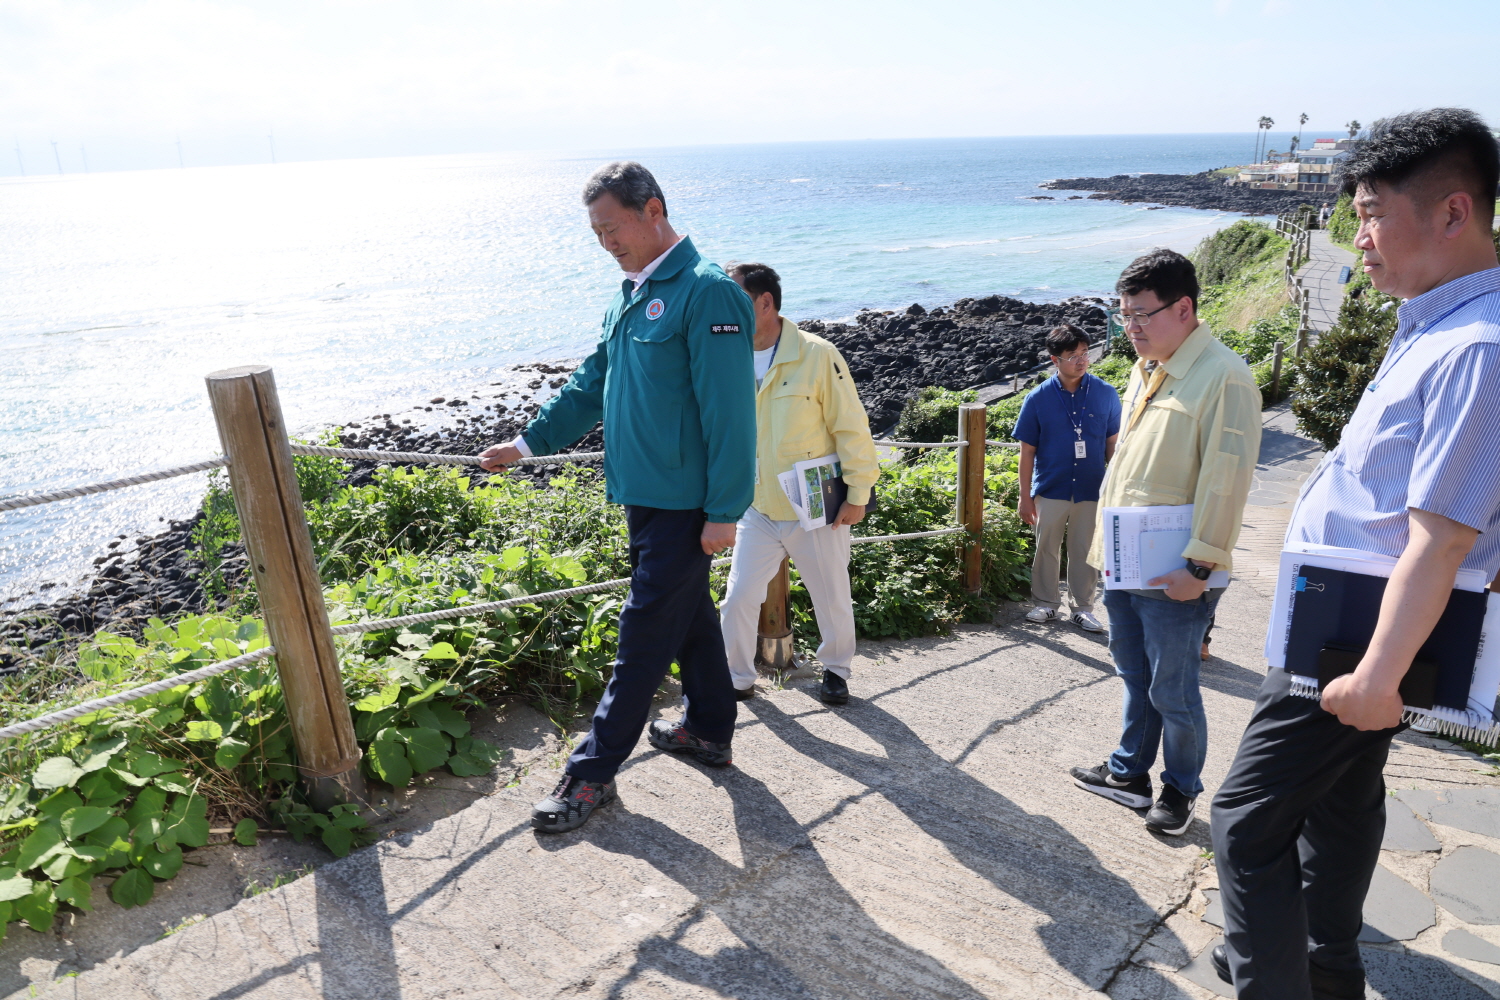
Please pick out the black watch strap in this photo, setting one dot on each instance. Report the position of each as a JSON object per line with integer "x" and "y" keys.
{"x": 1199, "y": 572}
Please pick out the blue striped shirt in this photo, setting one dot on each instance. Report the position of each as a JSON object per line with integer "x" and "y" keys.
{"x": 1425, "y": 435}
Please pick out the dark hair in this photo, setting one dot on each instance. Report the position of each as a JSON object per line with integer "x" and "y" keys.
{"x": 1065, "y": 338}
{"x": 758, "y": 279}
{"x": 1441, "y": 150}
{"x": 1166, "y": 273}
{"x": 630, "y": 183}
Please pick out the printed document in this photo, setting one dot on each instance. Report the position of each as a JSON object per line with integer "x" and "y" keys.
{"x": 1143, "y": 543}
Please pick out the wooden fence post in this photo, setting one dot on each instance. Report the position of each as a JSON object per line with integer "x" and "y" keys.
{"x": 269, "y": 503}
{"x": 1276, "y": 370}
{"x": 774, "y": 646}
{"x": 972, "y": 429}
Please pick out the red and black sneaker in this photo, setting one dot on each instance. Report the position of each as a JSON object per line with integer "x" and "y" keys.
{"x": 571, "y": 803}
{"x": 673, "y": 737}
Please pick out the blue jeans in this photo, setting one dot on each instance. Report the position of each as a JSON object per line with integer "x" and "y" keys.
{"x": 669, "y": 615}
{"x": 1156, "y": 648}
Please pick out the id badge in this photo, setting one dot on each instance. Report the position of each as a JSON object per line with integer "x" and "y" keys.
{"x": 1080, "y": 450}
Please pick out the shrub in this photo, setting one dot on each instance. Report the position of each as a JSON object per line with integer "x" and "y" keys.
{"x": 1343, "y": 224}
{"x": 1230, "y": 252}
{"x": 1332, "y": 373}
{"x": 932, "y": 415}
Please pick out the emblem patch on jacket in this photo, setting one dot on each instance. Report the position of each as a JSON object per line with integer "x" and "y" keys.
{"x": 724, "y": 328}
{"x": 655, "y": 308}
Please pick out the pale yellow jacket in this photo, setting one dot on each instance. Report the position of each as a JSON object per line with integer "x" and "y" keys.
{"x": 807, "y": 407}
{"x": 1197, "y": 442}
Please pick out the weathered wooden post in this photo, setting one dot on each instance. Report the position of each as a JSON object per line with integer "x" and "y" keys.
{"x": 972, "y": 429}
{"x": 774, "y": 644}
{"x": 1276, "y": 370}
{"x": 269, "y": 503}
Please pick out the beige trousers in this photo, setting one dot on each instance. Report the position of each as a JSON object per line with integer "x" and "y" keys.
{"x": 1055, "y": 518}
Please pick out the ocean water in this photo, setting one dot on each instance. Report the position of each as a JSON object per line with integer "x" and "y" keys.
{"x": 371, "y": 285}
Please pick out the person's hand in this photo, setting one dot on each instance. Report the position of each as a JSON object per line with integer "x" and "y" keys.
{"x": 1360, "y": 704}
{"x": 850, "y": 513}
{"x": 717, "y": 537}
{"x": 1181, "y": 585}
{"x": 497, "y": 457}
{"x": 1026, "y": 507}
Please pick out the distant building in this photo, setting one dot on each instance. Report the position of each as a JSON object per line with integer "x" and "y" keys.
{"x": 1314, "y": 170}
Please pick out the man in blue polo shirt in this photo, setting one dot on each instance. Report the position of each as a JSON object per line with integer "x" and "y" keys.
{"x": 1067, "y": 429}
{"x": 673, "y": 379}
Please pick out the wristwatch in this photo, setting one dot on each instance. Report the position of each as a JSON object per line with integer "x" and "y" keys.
{"x": 1199, "y": 572}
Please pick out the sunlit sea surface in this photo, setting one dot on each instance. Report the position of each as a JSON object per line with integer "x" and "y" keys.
{"x": 371, "y": 285}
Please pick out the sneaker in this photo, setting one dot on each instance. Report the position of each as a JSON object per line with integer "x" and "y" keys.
{"x": 744, "y": 694}
{"x": 1172, "y": 814}
{"x": 673, "y": 737}
{"x": 570, "y": 805}
{"x": 1041, "y": 615}
{"x": 1132, "y": 792}
{"x": 835, "y": 690}
{"x": 1087, "y": 622}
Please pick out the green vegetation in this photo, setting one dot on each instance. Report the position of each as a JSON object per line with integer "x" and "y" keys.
{"x": 932, "y": 415}
{"x": 1332, "y": 373}
{"x": 122, "y": 793}
{"x": 1243, "y": 297}
{"x": 1343, "y": 224}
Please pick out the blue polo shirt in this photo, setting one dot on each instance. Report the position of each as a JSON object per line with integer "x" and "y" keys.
{"x": 1052, "y": 419}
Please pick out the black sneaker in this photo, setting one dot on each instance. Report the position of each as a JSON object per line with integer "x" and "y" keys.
{"x": 1172, "y": 814}
{"x": 835, "y": 690}
{"x": 570, "y": 805}
{"x": 1133, "y": 792}
{"x": 744, "y": 694}
{"x": 673, "y": 737}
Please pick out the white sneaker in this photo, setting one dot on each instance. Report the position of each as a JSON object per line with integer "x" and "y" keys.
{"x": 1041, "y": 615}
{"x": 1087, "y": 622}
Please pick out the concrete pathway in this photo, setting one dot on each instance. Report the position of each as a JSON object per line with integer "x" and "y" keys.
{"x": 923, "y": 841}
{"x": 1320, "y": 278}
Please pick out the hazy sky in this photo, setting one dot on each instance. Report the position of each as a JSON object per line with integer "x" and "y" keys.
{"x": 124, "y": 79}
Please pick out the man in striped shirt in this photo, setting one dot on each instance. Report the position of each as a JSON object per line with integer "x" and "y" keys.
{"x": 1298, "y": 822}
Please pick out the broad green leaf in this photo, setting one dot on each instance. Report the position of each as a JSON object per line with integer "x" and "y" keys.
{"x": 40, "y": 847}
{"x": 175, "y": 783}
{"x": 441, "y": 651}
{"x": 149, "y": 765}
{"x": 338, "y": 839}
{"x": 249, "y": 629}
{"x": 13, "y": 885}
{"x": 226, "y": 649}
{"x": 130, "y": 779}
{"x": 102, "y": 788}
{"x": 465, "y": 766}
{"x": 100, "y": 665}
{"x": 388, "y": 759}
{"x": 82, "y": 819}
{"x": 427, "y": 692}
{"x": 375, "y": 702}
{"x": 162, "y": 864}
{"x": 187, "y": 822}
{"x": 148, "y": 832}
{"x": 427, "y": 749}
{"x": 75, "y": 891}
{"x": 14, "y": 803}
{"x": 38, "y": 908}
{"x": 150, "y": 802}
{"x": 450, "y": 720}
{"x": 231, "y": 751}
{"x": 56, "y": 772}
{"x": 204, "y": 730}
{"x": 7, "y": 914}
{"x": 58, "y": 803}
{"x": 114, "y": 835}
{"x": 65, "y": 864}
{"x": 134, "y": 888}
{"x": 244, "y": 832}
{"x": 157, "y": 630}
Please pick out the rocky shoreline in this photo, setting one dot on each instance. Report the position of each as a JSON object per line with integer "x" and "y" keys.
{"x": 972, "y": 343}
{"x": 1207, "y": 190}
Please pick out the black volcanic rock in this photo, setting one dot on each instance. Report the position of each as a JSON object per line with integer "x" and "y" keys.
{"x": 1206, "y": 190}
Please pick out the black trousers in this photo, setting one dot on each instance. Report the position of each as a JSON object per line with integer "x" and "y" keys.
{"x": 1297, "y": 827}
{"x": 669, "y": 615}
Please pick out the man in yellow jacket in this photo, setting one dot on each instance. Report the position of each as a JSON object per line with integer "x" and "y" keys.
{"x": 806, "y": 407}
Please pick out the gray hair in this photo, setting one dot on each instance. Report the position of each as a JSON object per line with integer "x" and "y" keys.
{"x": 630, "y": 183}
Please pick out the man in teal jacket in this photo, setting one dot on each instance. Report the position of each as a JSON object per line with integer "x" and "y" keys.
{"x": 674, "y": 382}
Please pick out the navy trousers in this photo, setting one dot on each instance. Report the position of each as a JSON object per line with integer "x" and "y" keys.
{"x": 1297, "y": 827}
{"x": 668, "y": 616}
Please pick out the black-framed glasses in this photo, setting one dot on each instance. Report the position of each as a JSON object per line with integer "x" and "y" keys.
{"x": 1141, "y": 320}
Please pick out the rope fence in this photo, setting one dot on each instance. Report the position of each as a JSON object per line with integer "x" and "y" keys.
{"x": 35, "y": 499}
{"x": 419, "y": 458}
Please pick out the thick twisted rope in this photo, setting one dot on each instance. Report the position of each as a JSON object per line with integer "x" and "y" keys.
{"x": 885, "y": 443}
{"x": 155, "y": 687}
{"x": 16, "y": 503}
{"x": 420, "y": 458}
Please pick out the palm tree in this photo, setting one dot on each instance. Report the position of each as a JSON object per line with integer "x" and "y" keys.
{"x": 1353, "y": 127}
{"x": 1297, "y": 139}
{"x": 1264, "y": 125}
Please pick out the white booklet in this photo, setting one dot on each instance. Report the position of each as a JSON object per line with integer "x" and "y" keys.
{"x": 1143, "y": 543}
{"x": 816, "y": 490}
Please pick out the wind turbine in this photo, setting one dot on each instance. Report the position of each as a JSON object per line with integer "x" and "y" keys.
{"x": 56, "y": 157}
{"x": 18, "y": 156}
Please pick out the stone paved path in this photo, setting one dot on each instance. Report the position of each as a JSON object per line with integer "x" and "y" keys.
{"x": 922, "y": 841}
{"x": 1320, "y": 278}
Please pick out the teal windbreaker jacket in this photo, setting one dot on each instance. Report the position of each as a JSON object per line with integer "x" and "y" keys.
{"x": 674, "y": 381}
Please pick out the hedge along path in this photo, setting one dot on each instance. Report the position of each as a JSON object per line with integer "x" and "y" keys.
{"x": 355, "y": 628}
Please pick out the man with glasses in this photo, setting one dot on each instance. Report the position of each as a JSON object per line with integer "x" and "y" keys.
{"x": 1191, "y": 436}
{"x": 1067, "y": 429}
